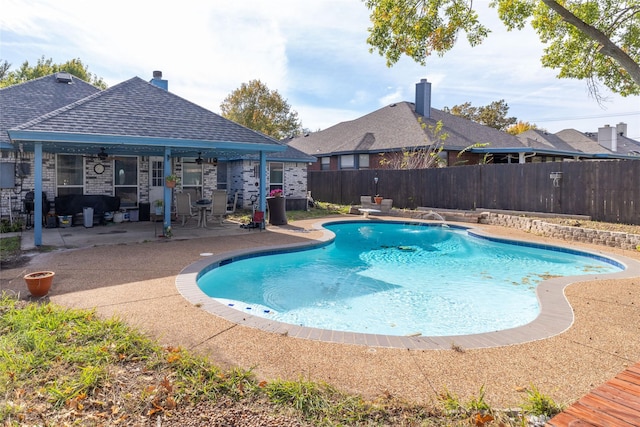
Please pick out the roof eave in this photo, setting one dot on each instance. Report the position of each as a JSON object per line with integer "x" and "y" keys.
{"x": 24, "y": 136}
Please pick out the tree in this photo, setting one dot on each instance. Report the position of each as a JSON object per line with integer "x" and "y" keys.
{"x": 518, "y": 128}
{"x": 4, "y": 70}
{"x": 493, "y": 115}
{"x": 44, "y": 67}
{"x": 255, "y": 106}
{"x": 594, "y": 40}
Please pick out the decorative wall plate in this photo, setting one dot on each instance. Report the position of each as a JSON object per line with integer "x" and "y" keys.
{"x": 98, "y": 168}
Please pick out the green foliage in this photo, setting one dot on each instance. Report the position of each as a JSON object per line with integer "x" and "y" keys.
{"x": 452, "y": 403}
{"x": 305, "y": 396}
{"x": 196, "y": 379}
{"x": 539, "y": 404}
{"x": 255, "y": 106}
{"x": 61, "y": 353}
{"x": 7, "y": 227}
{"x": 493, "y": 115}
{"x": 418, "y": 28}
{"x": 9, "y": 246}
{"x": 594, "y": 40}
{"x": 321, "y": 402}
{"x": 45, "y": 67}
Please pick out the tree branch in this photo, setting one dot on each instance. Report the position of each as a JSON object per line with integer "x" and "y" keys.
{"x": 607, "y": 48}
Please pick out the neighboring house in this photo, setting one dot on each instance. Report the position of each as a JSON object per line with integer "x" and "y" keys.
{"x": 61, "y": 136}
{"x": 607, "y": 142}
{"x": 362, "y": 143}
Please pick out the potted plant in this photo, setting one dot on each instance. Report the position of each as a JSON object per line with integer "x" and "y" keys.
{"x": 171, "y": 180}
{"x": 158, "y": 206}
{"x": 39, "y": 282}
{"x": 276, "y": 193}
{"x": 377, "y": 198}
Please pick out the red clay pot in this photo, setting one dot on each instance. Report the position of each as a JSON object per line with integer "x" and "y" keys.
{"x": 39, "y": 282}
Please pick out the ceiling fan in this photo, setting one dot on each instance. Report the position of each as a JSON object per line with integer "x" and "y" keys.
{"x": 103, "y": 156}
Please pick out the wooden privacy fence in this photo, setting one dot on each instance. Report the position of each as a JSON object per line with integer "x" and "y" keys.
{"x": 605, "y": 190}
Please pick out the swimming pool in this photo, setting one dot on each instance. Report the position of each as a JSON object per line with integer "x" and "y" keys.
{"x": 398, "y": 279}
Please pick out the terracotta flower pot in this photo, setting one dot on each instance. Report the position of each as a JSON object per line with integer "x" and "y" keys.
{"x": 378, "y": 200}
{"x": 39, "y": 282}
{"x": 170, "y": 184}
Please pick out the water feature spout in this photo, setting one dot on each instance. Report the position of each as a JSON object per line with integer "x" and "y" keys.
{"x": 437, "y": 216}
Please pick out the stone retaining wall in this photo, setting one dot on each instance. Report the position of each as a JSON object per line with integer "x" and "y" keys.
{"x": 578, "y": 234}
{"x": 538, "y": 227}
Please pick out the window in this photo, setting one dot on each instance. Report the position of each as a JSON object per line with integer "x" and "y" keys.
{"x": 347, "y": 161}
{"x": 192, "y": 176}
{"x": 325, "y": 163}
{"x": 276, "y": 176}
{"x": 363, "y": 161}
{"x": 125, "y": 180}
{"x": 157, "y": 173}
{"x": 69, "y": 175}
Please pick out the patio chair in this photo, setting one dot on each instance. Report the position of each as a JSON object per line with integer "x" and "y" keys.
{"x": 184, "y": 207}
{"x": 232, "y": 207}
{"x": 219, "y": 206}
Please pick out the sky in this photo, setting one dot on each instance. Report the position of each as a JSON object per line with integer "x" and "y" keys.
{"x": 314, "y": 53}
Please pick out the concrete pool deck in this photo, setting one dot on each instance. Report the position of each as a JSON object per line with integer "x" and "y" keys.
{"x": 555, "y": 317}
{"x": 137, "y": 283}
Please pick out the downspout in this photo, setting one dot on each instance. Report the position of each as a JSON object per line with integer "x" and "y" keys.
{"x": 166, "y": 202}
{"x": 37, "y": 207}
{"x": 263, "y": 181}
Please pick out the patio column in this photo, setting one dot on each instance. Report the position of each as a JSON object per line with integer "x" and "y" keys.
{"x": 167, "y": 191}
{"x": 263, "y": 181}
{"x": 37, "y": 206}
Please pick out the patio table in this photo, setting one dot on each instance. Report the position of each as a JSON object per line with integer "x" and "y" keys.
{"x": 203, "y": 205}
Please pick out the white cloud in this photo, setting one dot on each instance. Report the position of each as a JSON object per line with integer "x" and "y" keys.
{"x": 314, "y": 53}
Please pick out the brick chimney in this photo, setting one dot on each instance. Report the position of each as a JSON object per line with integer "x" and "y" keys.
{"x": 158, "y": 81}
{"x": 423, "y": 98}
{"x": 608, "y": 137}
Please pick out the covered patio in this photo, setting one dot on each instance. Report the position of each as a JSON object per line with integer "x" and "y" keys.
{"x": 133, "y": 120}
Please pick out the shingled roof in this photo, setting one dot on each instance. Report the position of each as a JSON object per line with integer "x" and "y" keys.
{"x": 396, "y": 126}
{"x": 27, "y": 101}
{"x": 139, "y": 112}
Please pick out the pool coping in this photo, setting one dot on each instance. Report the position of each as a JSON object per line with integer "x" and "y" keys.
{"x": 555, "y": 317}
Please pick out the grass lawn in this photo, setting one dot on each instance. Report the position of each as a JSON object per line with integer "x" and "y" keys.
{"x": 68, "y": 367}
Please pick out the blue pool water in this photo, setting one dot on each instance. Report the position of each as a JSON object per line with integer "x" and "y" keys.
{"x": 398, "y": 279}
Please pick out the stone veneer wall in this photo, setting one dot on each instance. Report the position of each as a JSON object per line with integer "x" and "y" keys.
{"x": 539, "y": 227}
{"x": 295, "y": 180}
{"x": 243, "y": 179}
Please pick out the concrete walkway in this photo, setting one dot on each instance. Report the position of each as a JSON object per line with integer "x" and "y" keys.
{"x": 127, "y": 271}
